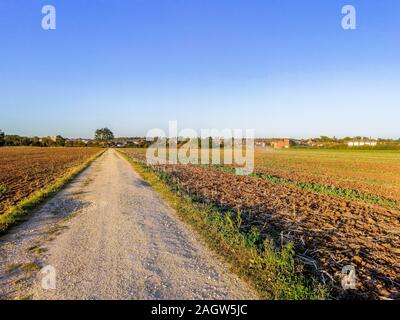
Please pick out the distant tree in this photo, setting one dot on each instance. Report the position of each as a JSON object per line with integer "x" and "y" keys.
{"x": 324, "y": 138}
{"x": 2, "y": 138}
{"x": 60, "y": 141}
{"x": 79, "y": 143}
{"x": 69, "y": 143}
{"x": 103, "y": 134}
{"x": 36, "y": 142}
{"x": 47, "y": 142}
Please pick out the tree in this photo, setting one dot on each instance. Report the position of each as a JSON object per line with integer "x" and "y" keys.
{"x": 324, "y": 139}
{"x": 60, "y": 141}
{"x": 36, "y": 142}
{"x": 2, "y": 140}
{"x": 103, "y": 134}
{"x": 47, "y": 142}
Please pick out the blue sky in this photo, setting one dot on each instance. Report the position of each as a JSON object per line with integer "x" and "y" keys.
{"x": 283, "y": 68}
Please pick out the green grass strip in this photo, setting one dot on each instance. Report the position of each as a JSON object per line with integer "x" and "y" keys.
{"x": 273, "y": 272}
{"x": 20, "y": 211}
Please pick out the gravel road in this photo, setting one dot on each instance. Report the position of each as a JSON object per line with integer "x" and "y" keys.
{"x": 109, "y": 235}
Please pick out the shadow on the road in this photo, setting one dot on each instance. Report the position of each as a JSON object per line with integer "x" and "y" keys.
{"x": 45, "y": 217}
{"x": 142, "y": 184}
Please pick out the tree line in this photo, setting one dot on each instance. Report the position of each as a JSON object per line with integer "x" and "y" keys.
{"x": 102, "y": 138}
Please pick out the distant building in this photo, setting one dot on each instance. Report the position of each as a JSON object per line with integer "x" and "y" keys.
{"x": 362, "y": 143}
{"x": 313, "y": 143}
{"x": 283, "y": 144}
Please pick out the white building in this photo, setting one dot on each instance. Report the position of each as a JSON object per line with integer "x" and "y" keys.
{"x": 362, "y": 143}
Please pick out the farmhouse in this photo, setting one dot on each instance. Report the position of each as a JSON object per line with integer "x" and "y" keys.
{"x": 283, "y": 144}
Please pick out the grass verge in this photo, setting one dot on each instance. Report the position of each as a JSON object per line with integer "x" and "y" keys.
{"x": 20, "y": 211}
{"x": 273, "y": 272}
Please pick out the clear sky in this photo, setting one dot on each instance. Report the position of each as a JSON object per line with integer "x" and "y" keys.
{"x": 283, "y": 68}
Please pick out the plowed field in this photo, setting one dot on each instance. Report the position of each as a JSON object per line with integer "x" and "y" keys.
{"x": 329, "y": 232}
{"x": 24, "y": 170}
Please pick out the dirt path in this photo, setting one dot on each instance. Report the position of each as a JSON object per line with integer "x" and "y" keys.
{"x": 110, "y": 236}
